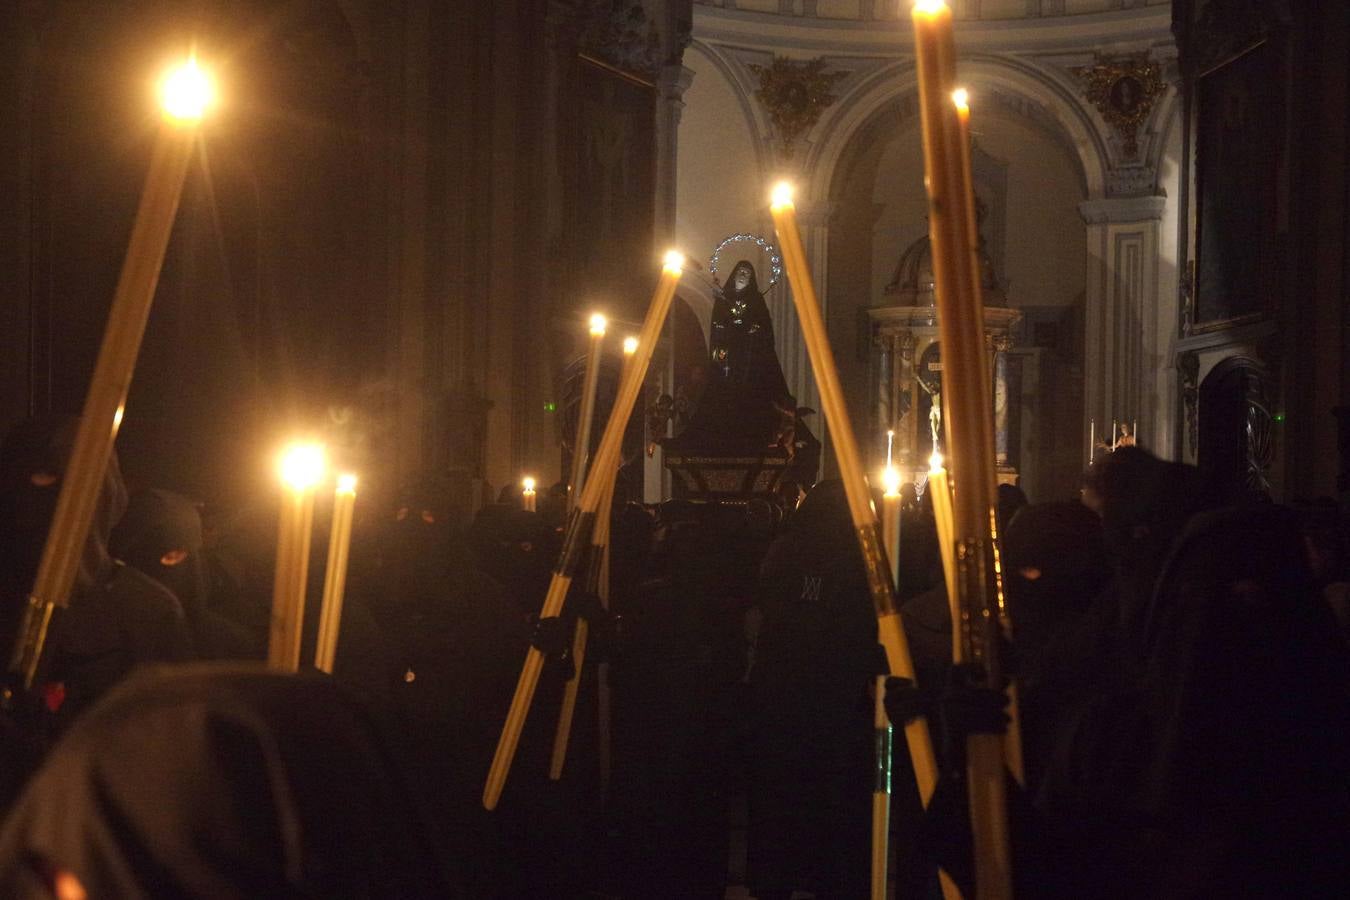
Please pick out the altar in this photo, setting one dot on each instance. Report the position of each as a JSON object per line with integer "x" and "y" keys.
{"x": 906, "y": 365}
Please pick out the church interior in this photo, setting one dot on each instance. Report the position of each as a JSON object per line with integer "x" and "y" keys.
{"x": 395, "y": 226}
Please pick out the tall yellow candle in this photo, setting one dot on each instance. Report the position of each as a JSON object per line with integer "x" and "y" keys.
{"x": 940, "y": 492}
{"x": 335, "y": 577}
{"x": 597, "y": 581}
{"x": 968, "y": 417}
{"x": 586, "y": 413}
{"x": 890, "y": 631}
{"x": 580, "y": 523}
{"x": 302, "y": 468}
{"x": 185, "y": 95}
{"x": 890, "y": 518}
{"x": 527, "y": 495}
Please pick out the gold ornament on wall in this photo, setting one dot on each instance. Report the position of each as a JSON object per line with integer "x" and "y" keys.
{"x": 794, "y": 93}
{"x": 1124, "y": 90}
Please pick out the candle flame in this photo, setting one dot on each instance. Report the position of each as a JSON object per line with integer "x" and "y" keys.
{"x": 186, "y": 92}
{"x": 302, "y": 466}
{"x": 890, "y": 480}
{"x": 781, "y": 198}
{"x": 598, "y": 325}
{"x": 674, "y": 263}
{"x": 527, "y": 483}
{"x": 935, "y": 462}
{"x": 346, "y": 483}
{"x": 930, "y": 7}
{"x": 630, "y": 345}
{"x": 961, "y": 97}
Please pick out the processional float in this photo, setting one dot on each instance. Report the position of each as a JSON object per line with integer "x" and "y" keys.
{"x": 971, "y": 561}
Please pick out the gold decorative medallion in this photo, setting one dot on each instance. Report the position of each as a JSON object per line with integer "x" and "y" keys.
{"x": 794, "y": 93}
{"x": 1124, "y": 90}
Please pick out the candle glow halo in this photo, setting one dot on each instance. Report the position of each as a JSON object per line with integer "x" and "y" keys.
{"x": 187, "y": 92}
{"x": 302, "y": 466}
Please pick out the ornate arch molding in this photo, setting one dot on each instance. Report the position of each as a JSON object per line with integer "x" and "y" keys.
{"x": 886, "y": 99}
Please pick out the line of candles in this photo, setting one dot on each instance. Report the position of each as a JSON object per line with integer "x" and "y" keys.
{"x": 1117, "y": 438}
{"x": 529, "y": 498}
{"x": 303, "y": 467}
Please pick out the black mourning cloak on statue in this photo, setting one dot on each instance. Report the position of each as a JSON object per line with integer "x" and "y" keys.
{"x": 743, "y": 355}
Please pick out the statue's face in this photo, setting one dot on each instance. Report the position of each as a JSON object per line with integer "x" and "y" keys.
{"x": 741, "y": 280}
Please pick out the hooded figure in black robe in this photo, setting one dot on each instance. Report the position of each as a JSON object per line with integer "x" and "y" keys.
{"x": 161, "y": 536}
{"x": 812, "y": 748}
{"x": 223, "y": 782}
{"x": 1144, "y": 502}
{"x": 1251, "y": 705}
{"x": 117, "y": 617}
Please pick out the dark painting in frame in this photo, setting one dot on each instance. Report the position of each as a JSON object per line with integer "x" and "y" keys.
{"x": 612, "y": 224}
{"x": 1237, "y": 171}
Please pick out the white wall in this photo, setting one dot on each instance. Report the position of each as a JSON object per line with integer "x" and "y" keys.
{"x": 719, "y": 188}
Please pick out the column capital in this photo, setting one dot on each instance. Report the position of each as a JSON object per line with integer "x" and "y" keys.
{"x": 674, "y": 79}
{"x": 1120, "y": 210}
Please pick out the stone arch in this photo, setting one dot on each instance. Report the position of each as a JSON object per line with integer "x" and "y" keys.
{"x": 891, "y": 90}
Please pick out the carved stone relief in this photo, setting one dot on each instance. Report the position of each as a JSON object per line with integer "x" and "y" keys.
{"x": 1124, "y": 90}
{"x": 794, "y": 94}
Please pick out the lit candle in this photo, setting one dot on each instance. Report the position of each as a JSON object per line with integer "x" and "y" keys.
{"x": 580, "y": 523}
{"x": 967, "y": 418}
{"x": 527, "y": 495}
{"x": 302, "y": 467}
{"x": 597, "y": 582}
{"x": 335, "y": 578}
{"x": 582, "y": 447}
{"x": 890, "y": 518}
{"x": 890, "y": 507}
{"x": 941, "y": 491}
{"x": 185, "y": 94}
{"x": 890, "y": 630}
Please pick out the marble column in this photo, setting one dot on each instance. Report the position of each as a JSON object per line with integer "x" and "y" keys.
{"x": 883, "y": 385}
{"x": 813, "y": 218}
{"x": 1123, "y": 357}
{"x": 1001, "y": 343}
{"x": 672, "y": 82}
